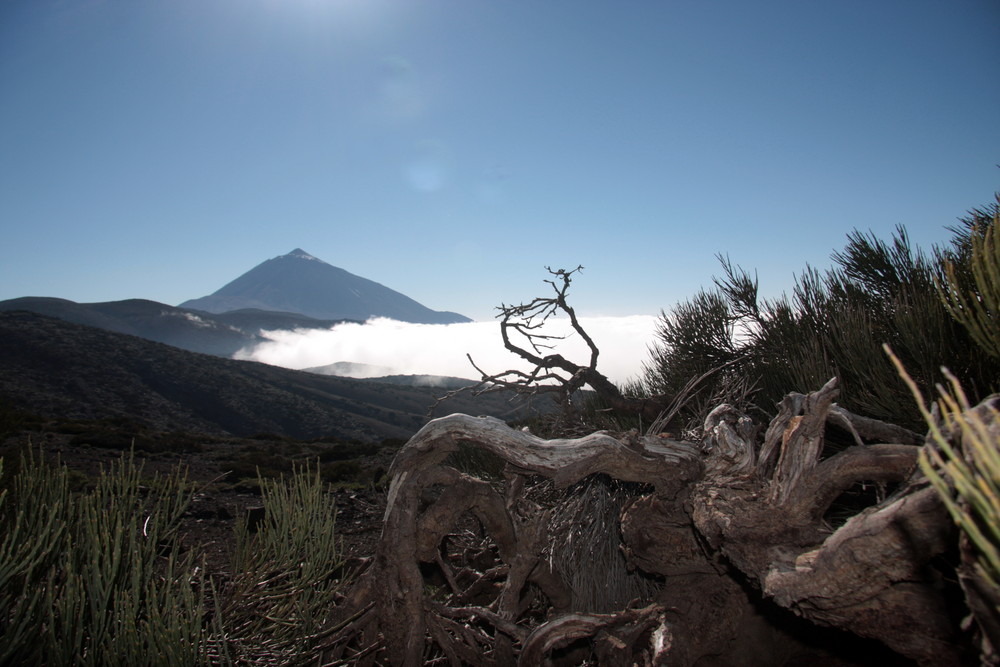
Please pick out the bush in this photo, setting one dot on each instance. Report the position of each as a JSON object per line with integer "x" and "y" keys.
{"x": 289, "y": 574}
{"x": 97, "y": 578}
{"x": 341, "y": 472}
{"x": 750, "y": 351}
{"x": 962, "y": 462}
{"x": 347, "y": 450}
{"x": 253, "y": 463}
{"x": 969, "y": 278}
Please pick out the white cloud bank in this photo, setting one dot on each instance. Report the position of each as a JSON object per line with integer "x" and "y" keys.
{"x": 440, "y": 349}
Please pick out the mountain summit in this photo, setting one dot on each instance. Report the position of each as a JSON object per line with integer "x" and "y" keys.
{"x": 300, "y": 283}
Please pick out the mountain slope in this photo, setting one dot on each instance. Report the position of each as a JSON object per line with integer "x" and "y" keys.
{"x": 385, "y": 375}
{"x": 196, "y": 331}
{"x": 59, "y": 369}
{"x": 148, "y": 319}
{"x": 300, "y": 283}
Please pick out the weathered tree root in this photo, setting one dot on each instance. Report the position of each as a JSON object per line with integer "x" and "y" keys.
{"x": 616, "y": 636}
{"x": 726, "y": 503}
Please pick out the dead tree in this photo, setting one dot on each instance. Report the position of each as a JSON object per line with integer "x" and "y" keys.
{"x": 522, "y": 331}
{"x": 465, "y": 571}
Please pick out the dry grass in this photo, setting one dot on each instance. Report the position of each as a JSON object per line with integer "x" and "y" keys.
{"x": 586, "y": 551}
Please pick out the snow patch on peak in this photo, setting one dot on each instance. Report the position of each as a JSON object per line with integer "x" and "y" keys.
{"x": 299, "y": 253}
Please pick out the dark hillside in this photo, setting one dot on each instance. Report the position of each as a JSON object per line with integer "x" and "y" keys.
{"x": 59, "y": 369}
{"x": 197, "y": 332}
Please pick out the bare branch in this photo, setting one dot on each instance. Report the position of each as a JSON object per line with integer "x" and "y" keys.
{"x": 521, "y": 331}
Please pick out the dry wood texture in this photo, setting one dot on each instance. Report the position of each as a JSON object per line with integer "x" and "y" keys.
{"x": 468, "y": 568}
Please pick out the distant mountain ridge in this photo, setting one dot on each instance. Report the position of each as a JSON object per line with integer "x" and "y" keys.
{"x": 221, "y": 334}
{"x": 301, "y": 283}
{"x": 350, "y": 369}
{"x": 388, "y": 375}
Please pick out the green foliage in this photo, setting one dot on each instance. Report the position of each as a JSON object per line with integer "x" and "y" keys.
{"x": 288, "y": 576}
{"x": 97, "y": 578}
{"x": 340, "y": 463}
{"x": 254, "y": 462}
{"x": 962, "y": 462}
{"x": 969, "y": 481}
{"x": 348, "y": 450}
{"x": 728, "y": 344}
{"x": 969, "y": 278}
{"x": 342, "y": 472}
{"x": 126, "y": 435}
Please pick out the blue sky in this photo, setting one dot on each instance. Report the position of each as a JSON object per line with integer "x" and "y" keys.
{"x": 452, "y": 149}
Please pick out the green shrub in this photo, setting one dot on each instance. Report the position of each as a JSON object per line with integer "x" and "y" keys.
{"x": 969, "y": 278}
{"x": 347, "y": 450}
{"x": 253, "y": 463}
{"x": 751, "y": 351}
{"x": 97, "y": 578}
{"x": 968, "y": 478}
{"x": 288, "y": 574}
{"x": 341, "y": 472}
{"x": 962, "y": 461}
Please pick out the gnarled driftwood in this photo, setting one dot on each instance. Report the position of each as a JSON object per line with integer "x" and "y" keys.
{"x": 466, "y": 573}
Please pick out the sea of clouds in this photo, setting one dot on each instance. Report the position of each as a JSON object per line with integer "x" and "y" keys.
{"x": 441, "y": 349}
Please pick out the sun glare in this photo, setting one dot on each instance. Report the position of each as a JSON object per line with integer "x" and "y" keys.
{"x": 358, "y": 14}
